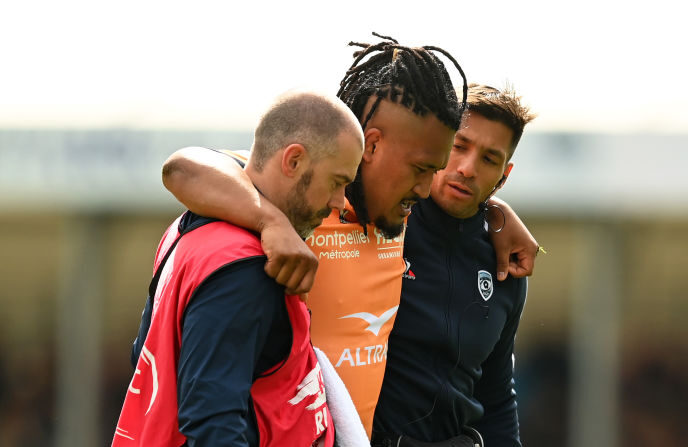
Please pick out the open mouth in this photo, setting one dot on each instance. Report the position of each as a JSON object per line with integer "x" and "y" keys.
{"x": 406, "y": 205}
{"x": 463, "y": 189}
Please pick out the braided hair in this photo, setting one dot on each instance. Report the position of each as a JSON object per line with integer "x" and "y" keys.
{"x": 412, "y": 77}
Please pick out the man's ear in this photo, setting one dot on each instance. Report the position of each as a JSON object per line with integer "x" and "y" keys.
{"x": 505, "y": 176}
{"x": 295, "y": 160}
{"x": 372, "y": 135}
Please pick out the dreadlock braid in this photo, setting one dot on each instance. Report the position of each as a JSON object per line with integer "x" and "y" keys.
{"x": 412, "y": 77}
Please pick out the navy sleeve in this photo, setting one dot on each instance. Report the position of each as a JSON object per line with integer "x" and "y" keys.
{"x": 495, "y": 390}
{"x": 143, "y": 332}
{"x": 225, "y": 329}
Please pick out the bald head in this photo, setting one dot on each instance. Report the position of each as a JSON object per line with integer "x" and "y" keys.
{"x": 306, "y": 149}
{"x": 312, "y": 119}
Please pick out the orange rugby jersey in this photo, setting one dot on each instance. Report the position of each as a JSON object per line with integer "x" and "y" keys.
{"x": 354, "y": 301}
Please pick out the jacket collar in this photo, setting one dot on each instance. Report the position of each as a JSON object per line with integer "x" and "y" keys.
{"x": 435, "y": 218}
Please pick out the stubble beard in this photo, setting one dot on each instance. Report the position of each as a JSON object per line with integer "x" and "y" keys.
{"x": 300, "y": 214}
{"x": 388, "y": 229}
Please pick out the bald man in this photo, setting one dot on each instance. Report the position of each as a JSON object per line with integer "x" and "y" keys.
{"x": 223, "y": 356}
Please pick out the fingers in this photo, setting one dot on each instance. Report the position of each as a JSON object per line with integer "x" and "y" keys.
{"x": 305, "y": 285}
{"x": 518, "y": 264}
{"x": 290, "y": 262}
{"x": 284, "y": 276}
{"x": 503, "y": 264}
{"x": 522, "y": 264}
{"x": 273, "y": 266}
{"x": 518, "y": 271}
{"x": 301, "y": 278}
{"x": 295, "y": 272}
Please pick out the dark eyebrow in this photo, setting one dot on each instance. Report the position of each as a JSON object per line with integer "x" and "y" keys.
{"x": 462, "y": 138}
{"x": 491, "y": 150}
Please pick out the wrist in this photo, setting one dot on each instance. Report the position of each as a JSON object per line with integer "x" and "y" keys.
{"x": 271, "y": 216}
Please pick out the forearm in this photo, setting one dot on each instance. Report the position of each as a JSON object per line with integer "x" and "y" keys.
{"x": 507, "y": 216}
{"x": 514, "y": 246}
{"x": 213, "y": 184}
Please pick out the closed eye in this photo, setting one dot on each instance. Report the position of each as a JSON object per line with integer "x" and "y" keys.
{"x": 340, "y": 181}
{"x": 424, "y": 169}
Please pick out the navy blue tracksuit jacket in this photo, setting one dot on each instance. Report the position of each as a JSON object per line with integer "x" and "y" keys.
{"x": 450, "y": 358}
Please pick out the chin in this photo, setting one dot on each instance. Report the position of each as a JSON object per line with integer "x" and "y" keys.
{"x": 388, "y": 228}
{"x": 457, "y": 210}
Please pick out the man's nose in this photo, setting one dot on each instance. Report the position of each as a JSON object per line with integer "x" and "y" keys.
{"x": 466, "y": 166}
{"x": 337, "y": 200}
{"x": 423, "y": 184}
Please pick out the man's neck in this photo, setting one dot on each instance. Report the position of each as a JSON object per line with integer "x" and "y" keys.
{"x": 267, "y": 185}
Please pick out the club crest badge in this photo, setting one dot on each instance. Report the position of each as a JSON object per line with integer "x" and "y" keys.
{"x": 485, "y": 284}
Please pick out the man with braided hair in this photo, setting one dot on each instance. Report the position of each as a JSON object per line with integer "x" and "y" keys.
{"x": 396, "y": 83}
{"x": 409, "y": 112}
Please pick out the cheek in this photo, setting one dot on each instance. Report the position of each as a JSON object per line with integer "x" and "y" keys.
{"x": 316, "y": 196}
{"x": 324, "y": 197}
{"x": 489, "y": 178}
{"x": 399, "y": 183}
{"x": 439, "y": 180}
{"x": 401, "y": 174}
{"x": 453, "y": 162}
